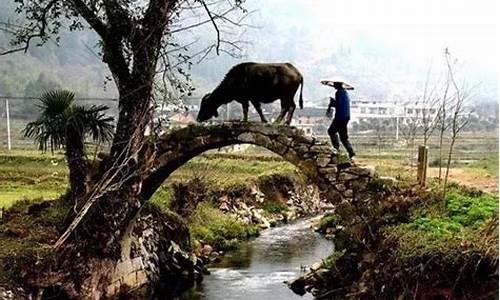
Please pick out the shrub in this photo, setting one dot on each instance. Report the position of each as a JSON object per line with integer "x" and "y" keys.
{"x": 274, "y": 207}
{"x": 212, "y": 226}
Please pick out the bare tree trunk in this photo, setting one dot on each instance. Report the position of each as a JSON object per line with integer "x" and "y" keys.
{"x": 448, "y": 164}
{"x": 128, "y": 168}
{"x": 443, "y": 126}
{"x": 441, "y": 136}
{"x": 77, "y": 165}
{"x": 458, "y": 121}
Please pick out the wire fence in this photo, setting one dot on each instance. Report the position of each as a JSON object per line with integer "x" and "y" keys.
{"x": 17, "y": 112}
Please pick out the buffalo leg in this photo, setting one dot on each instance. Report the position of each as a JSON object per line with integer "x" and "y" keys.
{"x": 258, "y": 108}
{"x": 282, "y": 114}
{"x": 245, "y": 111}
{"x": 291, "y": 109}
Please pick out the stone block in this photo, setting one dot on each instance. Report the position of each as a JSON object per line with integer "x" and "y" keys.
{"x": 142, "y": 278}
{"x": 279, "y": 148}
{"x": 362, "y": 171}
{"x": 246, "y": 137}
{"x": 113, "y": 288}
{"x": 358, "y": 186}
{"x": 263, "y": 141}
{"x": 328, "y": 170}
{"x": 347, "y": 176}
{"x": 122, "y": 268}
{"x": 331, "y": 177}
{"x": 340, "y": 187}
{"x": 267, "y": 130}
{"x": 321, "y": 149}
{"x": 323, "y": 160}
{"x": 130, "y": 280}
{"x": 303, "y": 140}
{"x": 347, "y": 194}
{"x": 283, "y": 140}
{"x": 137, "y": 264}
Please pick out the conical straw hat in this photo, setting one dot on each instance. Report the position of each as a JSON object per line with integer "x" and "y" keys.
{"x": 345, "y": 84}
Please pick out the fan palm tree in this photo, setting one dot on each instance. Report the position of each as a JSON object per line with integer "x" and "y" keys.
{"x": 63, "y": 124}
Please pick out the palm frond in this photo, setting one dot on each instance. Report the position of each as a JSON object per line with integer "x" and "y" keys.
{"x": 59, "y": 114}
{"x": 54, "y": 103}
{"x": 92, "y": 121}
{"x": 99, "y": 125}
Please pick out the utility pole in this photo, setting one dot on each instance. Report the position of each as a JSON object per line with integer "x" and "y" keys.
{"x": 397, "y": 128}
{"x": 9, "y": 146}
{"x": 399, "y": 111}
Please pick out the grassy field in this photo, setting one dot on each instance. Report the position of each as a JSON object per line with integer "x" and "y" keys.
{"x": 32, "y": 175}
{"x": 26, "y": 174}
{"x": 481, "y": 174}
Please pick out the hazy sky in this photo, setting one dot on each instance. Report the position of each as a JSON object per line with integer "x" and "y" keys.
{"x": 398, "y": 32}
{"x": 423, "y": 28}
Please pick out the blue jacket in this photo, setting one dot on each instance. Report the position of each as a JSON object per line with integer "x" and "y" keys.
{"x": 342, "y": 105}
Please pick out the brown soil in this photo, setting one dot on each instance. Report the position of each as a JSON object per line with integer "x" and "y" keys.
{"x": 468, "y": 178}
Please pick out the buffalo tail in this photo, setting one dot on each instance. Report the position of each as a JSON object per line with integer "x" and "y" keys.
{"x": 301, "y": 102}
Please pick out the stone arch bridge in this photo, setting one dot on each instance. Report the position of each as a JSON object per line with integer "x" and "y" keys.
{"x": 314, "y": 158}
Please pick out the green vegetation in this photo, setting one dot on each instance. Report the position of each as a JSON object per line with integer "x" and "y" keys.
{"x": 209, "y": 225}
{"x": 464, "y": 221}
{"x": 229, "y": 173}
{"x": 28, "y": 226}
{"x": 31, "y": 175}
{"x": 36, "y": 177}
{"x": 274, "y": 207}
{"x": 218, "y": 174}
{"x": 416, "y": 241}
{"x": 329, "y": 220}
{"x": 461, "y": 211}
{"x": 331, "y": 259}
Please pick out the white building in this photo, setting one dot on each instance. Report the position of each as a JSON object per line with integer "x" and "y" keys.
{"x": 370, "y": 109}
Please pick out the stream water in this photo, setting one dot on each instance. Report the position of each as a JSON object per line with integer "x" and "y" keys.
{"x": 258, "y": 269}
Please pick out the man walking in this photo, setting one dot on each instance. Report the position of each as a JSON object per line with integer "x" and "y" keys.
{"x": 342, "y": 106}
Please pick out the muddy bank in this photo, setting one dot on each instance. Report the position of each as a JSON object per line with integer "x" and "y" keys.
{"x": 155, "y": 249}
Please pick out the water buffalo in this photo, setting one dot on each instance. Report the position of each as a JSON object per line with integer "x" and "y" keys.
{"x": 256, "y": 83}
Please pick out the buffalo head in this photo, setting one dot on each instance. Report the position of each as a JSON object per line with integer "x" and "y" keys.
{"x": 208, "y": 108}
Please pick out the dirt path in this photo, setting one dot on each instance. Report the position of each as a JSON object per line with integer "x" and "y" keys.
{"x": 469, "y": 178}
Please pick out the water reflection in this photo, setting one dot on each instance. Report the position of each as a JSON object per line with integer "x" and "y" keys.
{"x": 258, "y": 269}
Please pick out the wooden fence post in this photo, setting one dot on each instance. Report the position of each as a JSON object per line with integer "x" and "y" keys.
{"x": 423, "y": 152}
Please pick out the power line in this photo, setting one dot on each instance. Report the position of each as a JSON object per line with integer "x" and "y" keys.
{"x": 36, "y": 98}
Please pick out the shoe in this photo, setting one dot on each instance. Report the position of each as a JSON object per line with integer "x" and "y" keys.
{"x": 352, "y": 159}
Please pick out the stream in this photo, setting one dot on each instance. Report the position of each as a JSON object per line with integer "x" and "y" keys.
{"x": 258, "y": 269}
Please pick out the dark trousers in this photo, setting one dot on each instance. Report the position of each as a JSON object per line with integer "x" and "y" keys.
{"x": 339, "y": 128}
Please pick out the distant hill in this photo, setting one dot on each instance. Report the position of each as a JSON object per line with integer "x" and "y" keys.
{"x": 282, "y": 31}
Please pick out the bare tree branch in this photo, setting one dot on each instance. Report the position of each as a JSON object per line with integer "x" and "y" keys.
{"x": 91, "y": 17}
{"x": 40, "y": 33}
{"x": 215, "y": 25}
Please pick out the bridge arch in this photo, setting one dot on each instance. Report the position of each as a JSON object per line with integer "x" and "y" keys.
{"x": 313, "y": 158}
